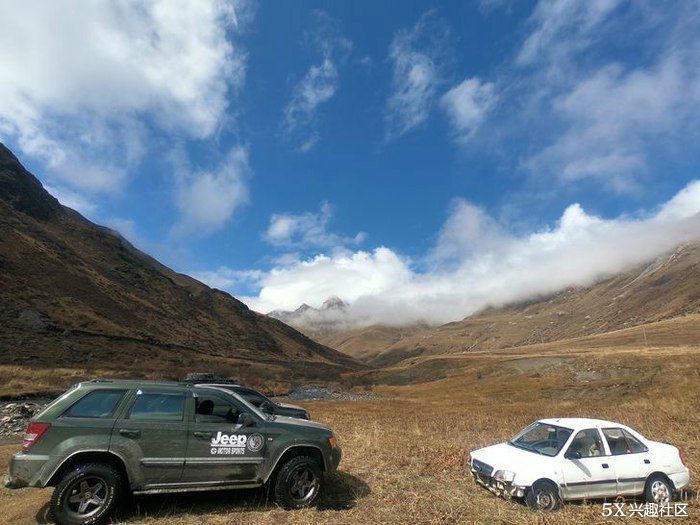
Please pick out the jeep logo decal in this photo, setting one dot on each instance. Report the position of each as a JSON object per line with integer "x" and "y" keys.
{"x": 228, "y": 444}
{"x": 255, "y": 442}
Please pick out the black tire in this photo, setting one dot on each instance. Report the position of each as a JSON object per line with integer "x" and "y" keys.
{"x": 86, "y": 495}
{"x": 298, "y": 483}
{"x": 658, "y": 490}
{"x": 543, "y": 496}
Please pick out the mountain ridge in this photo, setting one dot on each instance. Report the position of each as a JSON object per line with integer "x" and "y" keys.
{"x": 76, "y": 294}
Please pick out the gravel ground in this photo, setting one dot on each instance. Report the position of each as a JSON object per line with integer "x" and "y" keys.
{"x": 315, "y": 392}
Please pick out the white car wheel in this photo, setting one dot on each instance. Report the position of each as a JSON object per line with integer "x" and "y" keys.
{"x": 659, "y": 490}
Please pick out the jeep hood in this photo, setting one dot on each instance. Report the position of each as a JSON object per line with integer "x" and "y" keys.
{"x": 285, "y": 420}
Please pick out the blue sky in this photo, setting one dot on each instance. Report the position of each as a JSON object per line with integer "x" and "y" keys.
{"x": 420, "y": 162}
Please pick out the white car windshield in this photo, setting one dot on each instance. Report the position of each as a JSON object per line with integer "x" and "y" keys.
{"x": 542, "y": 438}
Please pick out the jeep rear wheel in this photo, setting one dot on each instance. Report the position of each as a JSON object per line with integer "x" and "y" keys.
{"x": 298, "y": 483}
{"x": 86, "y": 495}
{"x": 543, "y": 496}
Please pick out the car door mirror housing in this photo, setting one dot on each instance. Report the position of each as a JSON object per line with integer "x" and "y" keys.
{"x": 246, "y": 420}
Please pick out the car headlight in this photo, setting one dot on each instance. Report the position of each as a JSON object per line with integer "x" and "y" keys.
{"x": 504, "y": 475}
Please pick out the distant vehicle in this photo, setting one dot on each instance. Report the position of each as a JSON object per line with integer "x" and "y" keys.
{"x": 104, "y": 437}
{"x": 554, "y": 460}
{"x": 263, "y": 402}
{"x": 253, "y": 397}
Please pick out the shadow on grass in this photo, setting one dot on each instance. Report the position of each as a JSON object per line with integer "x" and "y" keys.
{"x": 341, "y": 492}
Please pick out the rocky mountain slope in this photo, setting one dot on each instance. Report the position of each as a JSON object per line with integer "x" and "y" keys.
{"x": 76, "y": 299}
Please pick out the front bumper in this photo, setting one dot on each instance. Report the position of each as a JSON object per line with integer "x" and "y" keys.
{"x": 335, "y": 456}
{"x": 501, "y": 488}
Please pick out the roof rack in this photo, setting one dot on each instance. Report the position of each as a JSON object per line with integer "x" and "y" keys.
{"x": 201, "y": 378}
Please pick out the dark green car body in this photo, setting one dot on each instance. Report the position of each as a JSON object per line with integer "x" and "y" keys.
{"x": 167, "y": 437}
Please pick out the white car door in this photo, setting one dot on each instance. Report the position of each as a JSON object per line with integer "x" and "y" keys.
{"x": 631, "y": 459}
{"x": 587, "y": 471}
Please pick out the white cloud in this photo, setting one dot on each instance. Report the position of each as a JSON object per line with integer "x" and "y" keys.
{"x": 208, "y": 198}
{"x": 467, "y": 230}
{"x": 305, "y": 230}
{"x": 467, "y": 105}
{"x": 563, "y": 27}
{"x": 416, "y": 55}
{"x": 615, "y": 117}
{"x": 484, "y": 265}
{"x": 601, "y": 91}
{"x": 79, "y": 84}
{"x": 318, "y": 86}
{"x": 314, "y": 280}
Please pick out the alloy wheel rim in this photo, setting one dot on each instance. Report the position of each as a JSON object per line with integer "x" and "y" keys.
{"x": 304, "y": 484}
{"x": 544, "y": 500}
{"x": 659, "y": 491}
{"x": 86, "y": 496}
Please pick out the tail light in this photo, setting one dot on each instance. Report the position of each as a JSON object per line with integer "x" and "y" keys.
{"x": 680, "y": 454}
{"x": 33, "y": 433}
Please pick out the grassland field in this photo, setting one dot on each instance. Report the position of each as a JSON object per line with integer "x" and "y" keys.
{"x": 404, "y": 455}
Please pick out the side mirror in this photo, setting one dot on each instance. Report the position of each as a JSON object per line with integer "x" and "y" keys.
{"x": 266, "y": 407}
{"x": 573, "y": 455}
{"x": 246, "y": 420}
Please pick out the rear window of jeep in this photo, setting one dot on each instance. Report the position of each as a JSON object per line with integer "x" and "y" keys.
{"x": 158, "y": 407}
{"x": 96, "y": 404}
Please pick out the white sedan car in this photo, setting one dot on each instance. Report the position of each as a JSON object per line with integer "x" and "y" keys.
{"x": 554, "y": 460}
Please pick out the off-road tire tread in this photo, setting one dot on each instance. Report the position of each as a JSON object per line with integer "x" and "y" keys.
{"x": 105, "y": 470}
{"x": 282, "y": 495}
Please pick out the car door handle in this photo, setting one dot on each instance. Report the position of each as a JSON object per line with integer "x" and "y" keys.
{"x": 647, "y": 461}
{"x": 130, "y": 433}
{"x": 605, "y": 465}
{"x": 203, "y": 435}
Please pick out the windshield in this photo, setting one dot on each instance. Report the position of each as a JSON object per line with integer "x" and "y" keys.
{"x": 542, "y": 438}
{"x": 253, "y": 397}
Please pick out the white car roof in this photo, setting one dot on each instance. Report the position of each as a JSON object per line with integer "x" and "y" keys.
{"x": 580, "y": 423}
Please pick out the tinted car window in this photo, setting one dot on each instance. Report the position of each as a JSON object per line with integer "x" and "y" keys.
{"x": 158, "y": 407}
{"x": 253, "y": 397}
{"x": 215, "y": 409}
{"x": 96, "y": 404}
{"x": 634, "y": 444}
{"x": 587, "y": 443}
{"x": 622, "y": 442}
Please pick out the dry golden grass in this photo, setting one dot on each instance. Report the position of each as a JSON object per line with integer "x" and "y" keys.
{"x": 404, "y": 454}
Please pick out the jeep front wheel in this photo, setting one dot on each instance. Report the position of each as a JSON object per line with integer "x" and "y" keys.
{"x": 298, "y": 483}
{"x": 86, "y": 495}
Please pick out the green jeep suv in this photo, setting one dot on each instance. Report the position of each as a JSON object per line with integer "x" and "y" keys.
{"x": 104, "y": 438}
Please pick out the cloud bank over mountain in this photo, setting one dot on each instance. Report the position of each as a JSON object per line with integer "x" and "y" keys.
{"x": 474, "y": 263}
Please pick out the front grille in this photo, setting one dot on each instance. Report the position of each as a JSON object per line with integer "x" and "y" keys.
{"x": 482, "y": 467}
